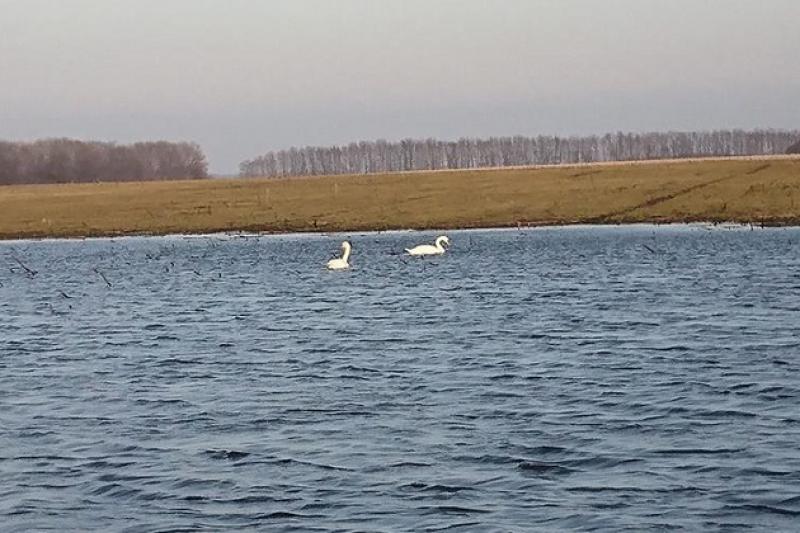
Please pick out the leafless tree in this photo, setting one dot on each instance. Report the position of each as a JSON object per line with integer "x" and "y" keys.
{"x": 68, "y": 160}
{"x": 430, "y": 154}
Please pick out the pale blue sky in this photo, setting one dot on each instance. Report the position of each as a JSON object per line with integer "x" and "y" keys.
{"x": 244, "y": 76}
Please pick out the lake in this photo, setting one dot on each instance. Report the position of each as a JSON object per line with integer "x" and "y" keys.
{"x": 591, "y": 378}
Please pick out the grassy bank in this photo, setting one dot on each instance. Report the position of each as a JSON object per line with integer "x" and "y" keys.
{"x": 761, "y": 191}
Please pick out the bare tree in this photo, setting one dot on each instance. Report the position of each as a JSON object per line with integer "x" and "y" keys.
{"x": 67, "y": 160}
{"x": 430, "y": 154}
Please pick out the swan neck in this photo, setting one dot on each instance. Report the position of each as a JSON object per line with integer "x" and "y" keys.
{"x": 346, "y": 254}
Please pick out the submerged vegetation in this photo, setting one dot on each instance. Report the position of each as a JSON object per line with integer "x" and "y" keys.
{"x": 765, "y": 190}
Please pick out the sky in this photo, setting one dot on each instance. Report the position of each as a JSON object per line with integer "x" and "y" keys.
{"x": 242, "y": 77}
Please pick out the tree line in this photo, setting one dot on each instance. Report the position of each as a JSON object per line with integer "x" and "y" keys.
{"x": 431, "y": 154}
{"x": 68, "y": 160}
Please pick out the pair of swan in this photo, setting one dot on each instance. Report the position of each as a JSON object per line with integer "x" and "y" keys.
{"x": 438, "y": 248}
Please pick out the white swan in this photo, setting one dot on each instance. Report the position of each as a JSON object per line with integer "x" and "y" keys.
{"x": 341, "y": 263}
{"x": 427, "y": 249}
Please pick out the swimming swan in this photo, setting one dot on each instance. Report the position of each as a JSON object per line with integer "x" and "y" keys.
{"x": 427, "y": 249}
{"x": 341, "y": 263}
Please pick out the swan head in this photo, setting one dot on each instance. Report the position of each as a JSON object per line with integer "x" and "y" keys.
{"x": 444, "y": 240}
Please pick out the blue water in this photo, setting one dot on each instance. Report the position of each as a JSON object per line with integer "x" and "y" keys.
{"x": 604, "y": 379}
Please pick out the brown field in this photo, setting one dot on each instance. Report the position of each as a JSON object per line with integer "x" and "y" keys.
{"x": 763, "y": 191}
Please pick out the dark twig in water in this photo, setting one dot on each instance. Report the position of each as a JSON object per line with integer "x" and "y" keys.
{"x": 103, "y": 276}
{"x": 649, "y": 249}
{"x": 30, "y": 271}
{"x": 65, "y": 295}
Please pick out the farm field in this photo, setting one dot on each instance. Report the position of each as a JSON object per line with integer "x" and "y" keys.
{"x": 758, "y": 190}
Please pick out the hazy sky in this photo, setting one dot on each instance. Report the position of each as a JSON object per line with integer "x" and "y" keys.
{"x": 245, "y": 76}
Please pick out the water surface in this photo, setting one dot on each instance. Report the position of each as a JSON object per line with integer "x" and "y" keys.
{"x": 603, "y": 379}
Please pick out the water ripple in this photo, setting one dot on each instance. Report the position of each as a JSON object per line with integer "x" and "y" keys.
{"x": 555, "y": 379}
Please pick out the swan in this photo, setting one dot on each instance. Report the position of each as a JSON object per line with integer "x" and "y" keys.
{"x": 427, "y": 249}
{"x": 341, "y": 263}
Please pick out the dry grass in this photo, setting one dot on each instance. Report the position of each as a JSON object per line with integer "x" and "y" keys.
{"x": 765, "y": 191}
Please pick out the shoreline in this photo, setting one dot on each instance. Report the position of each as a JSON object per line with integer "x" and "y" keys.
{"x": 237, "y": 234}
{"x": 761, "y": 190}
